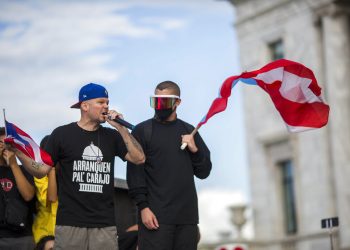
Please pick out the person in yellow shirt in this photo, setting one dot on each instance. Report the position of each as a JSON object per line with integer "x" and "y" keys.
{"x": 47, "y": 203}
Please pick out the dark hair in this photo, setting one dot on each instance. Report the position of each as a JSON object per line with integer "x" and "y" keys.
{"x": 169, "y": 85}
{"x": 44, "y": 141}
{"x": 2, "y": 131}
{"x": 41, "y": 244}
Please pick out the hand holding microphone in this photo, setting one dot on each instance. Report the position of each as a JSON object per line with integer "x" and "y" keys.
{"x": 120, "y": 121}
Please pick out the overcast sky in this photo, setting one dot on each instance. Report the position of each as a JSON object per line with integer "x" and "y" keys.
{"x": 49, "y": 49}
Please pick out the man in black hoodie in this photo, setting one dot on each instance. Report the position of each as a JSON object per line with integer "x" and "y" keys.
{"x": 164, "y": 188}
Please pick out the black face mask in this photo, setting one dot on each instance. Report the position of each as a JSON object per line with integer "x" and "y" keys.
{"x": 163, "y": 114}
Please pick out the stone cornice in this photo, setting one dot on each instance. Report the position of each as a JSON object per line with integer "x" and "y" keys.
{"x": 237, "y": 2}
{"x": 334, "y": 8}
{"x": 293, "y": 239}
{"x": 258, "y": 13}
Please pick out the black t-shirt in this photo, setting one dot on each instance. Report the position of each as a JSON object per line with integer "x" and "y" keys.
{"x": 9, "y": 189}
{"x": 86, "y": 174}
{"x": 165, "y": 183}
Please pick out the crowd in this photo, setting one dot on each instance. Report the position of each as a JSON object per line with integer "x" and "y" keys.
{"x": 70, "y": 205}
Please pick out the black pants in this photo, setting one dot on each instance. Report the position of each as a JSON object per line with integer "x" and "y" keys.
{"x": 168, "y": 237}
{"x": 25, "y": 243}
{"x": 128, "y": 240}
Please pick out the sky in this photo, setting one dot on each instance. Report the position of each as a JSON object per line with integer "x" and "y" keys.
{"x": 49, "y": 49}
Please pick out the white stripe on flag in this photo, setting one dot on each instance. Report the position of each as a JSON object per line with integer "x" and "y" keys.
{"x": 34, "y": 146}
{"x": 293, "y": 88}
{"x": 295, "y": 129}
{"x": 296, "y": 89}
{"x": 19, "y": 143}
{"x": 271, "y": 76}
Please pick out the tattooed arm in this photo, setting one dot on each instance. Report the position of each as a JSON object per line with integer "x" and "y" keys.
{"x": 36, "y": 169}
{"x": 135, "y": 153}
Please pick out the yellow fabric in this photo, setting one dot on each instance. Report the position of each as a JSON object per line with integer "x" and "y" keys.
{"x": 45, "y": 219}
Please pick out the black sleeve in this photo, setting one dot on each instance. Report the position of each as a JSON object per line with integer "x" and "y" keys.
{"x": 136, "y": 176}
{"x": 201, "y": 159}
{"x": 52, "y": 146}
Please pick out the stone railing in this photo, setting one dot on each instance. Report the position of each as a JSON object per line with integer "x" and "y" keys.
{"x": 286, "y": 243}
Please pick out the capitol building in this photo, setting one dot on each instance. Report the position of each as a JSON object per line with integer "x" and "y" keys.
{"x": 298, "y": 179}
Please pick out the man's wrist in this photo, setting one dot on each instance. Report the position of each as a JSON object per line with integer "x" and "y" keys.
{"x": 144, "y": 209}
{"x": 198, "y": 156}
{"x": 194, "y": 150}
{"x": 142, "y": 205}
{"x": 123, "y": 129}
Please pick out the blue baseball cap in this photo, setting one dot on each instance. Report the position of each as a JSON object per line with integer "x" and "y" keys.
{"x": 90, "y": 91}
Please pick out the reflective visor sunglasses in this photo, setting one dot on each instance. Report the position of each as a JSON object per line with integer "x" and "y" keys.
{"x": 163, "y": 101}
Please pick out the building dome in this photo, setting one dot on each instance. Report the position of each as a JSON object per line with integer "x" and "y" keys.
{"x": 92, "y": 153}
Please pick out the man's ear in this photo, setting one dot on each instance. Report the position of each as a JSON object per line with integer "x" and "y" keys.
{"x": 84, "y": 106}
{"x": 178, "y": 101}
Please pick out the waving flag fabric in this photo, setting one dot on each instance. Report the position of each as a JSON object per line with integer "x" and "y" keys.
{"x": 22, "y": 141}
{"x": 293, "y": 89}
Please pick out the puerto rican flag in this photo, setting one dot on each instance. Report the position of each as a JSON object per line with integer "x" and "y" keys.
{"x": 22, "y": 141}
{"x": 292, "y": 88}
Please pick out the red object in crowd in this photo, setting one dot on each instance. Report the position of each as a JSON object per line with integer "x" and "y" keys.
{"x": 236, "y": 248}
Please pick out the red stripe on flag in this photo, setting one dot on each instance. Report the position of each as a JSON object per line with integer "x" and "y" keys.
{"x": 313, "y": 115}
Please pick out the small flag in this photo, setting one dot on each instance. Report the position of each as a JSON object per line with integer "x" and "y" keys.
{"x": 22, "y": 141}
{"x": 293, "y": 89}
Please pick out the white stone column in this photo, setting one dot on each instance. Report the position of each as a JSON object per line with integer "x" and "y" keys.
{"x": 336, "y": 37}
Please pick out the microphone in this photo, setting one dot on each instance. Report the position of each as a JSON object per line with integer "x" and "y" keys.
{"x": 121, "y": 122}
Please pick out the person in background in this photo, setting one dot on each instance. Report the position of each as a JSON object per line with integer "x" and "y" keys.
{"x": 16, "y": 202}
{"x": 164, "y": 189}
{"x": 45, "y": 243}
{"x": 83, "y": 153}
{"x": 46, "y": 202}
{"x": 128, "y": 240}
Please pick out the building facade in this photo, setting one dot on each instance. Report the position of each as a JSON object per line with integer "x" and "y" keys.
{"x": 297, "y": 179}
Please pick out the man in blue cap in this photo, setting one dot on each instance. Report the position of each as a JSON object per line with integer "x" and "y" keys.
{"x": 83, "y": 153}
